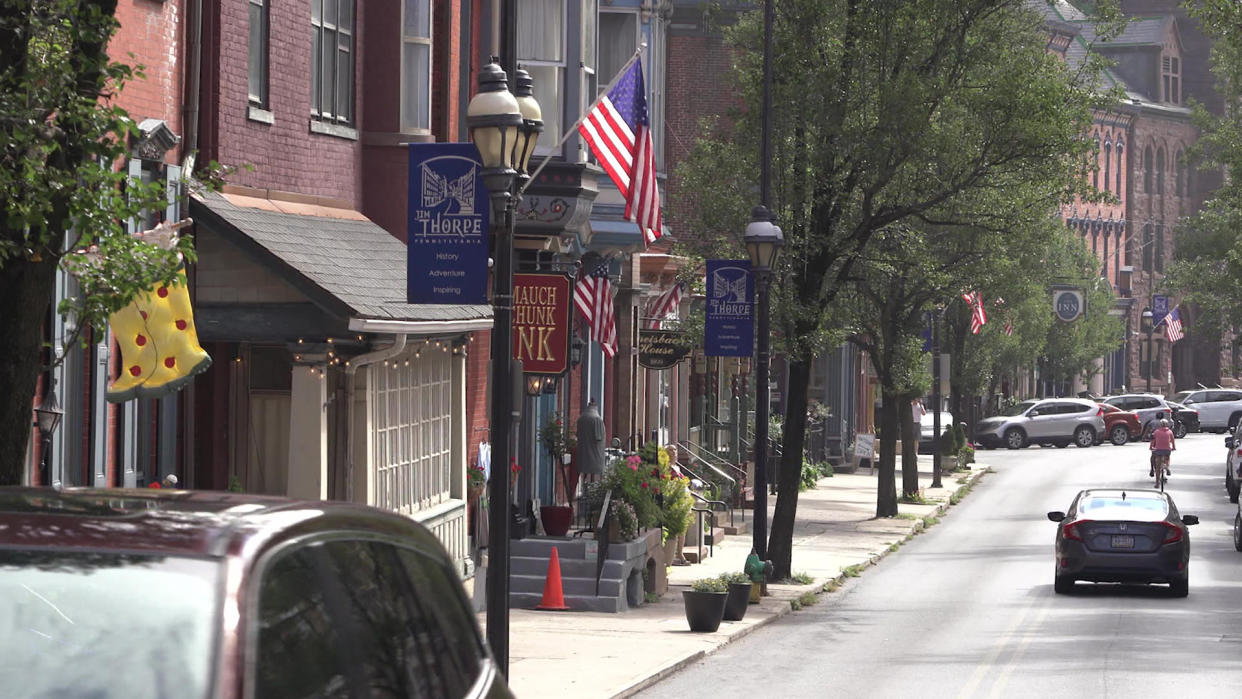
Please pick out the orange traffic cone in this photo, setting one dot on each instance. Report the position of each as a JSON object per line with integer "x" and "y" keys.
{"x": 553, "y": 598}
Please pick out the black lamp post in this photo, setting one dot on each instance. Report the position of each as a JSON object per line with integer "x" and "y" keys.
{"x": 763, "y": 242}
{"x": 47, "y": 418}
{"x": 505, "y": 129}
{"x": 1150, "y": 328}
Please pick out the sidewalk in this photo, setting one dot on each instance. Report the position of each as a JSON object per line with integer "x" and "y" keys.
{"x": 588, "y": 654}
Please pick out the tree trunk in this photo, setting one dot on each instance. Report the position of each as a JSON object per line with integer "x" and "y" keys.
{"x": 780, "y": 537}
{"x": 909, "y": 448}
{"x": 886, "y": 482}
{"x": 26, "y": 288}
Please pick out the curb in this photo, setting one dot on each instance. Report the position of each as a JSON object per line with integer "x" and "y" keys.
{"x": 785, "y": 607}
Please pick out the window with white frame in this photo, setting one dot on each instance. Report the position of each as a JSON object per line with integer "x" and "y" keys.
{"x": 1171, "y": 73}
{"x": 589, "y": 85}
{"x": 413, "y": 418}
{"x": 416, "y": 66}
{"x": 257, "y": 60}
{"x": 618, "y": 37}
{"x": 332, "y": 60}
{"x": 541, "y": 52}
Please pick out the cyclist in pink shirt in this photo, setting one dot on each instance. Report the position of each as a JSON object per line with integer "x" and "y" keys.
{"x": 1162, "y": 445}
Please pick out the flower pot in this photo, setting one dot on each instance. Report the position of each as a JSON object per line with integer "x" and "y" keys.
{"x": 474, "y": 492}
{"x": 736, "y": 601}
{"x": 556, "y": 519}
{"x": 704, "y": 610}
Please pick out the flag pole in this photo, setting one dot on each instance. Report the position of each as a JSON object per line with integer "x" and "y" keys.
{"x": 574, "y": 127}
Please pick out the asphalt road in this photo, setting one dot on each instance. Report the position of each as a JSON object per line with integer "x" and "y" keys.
{"x": 967, "y": 609}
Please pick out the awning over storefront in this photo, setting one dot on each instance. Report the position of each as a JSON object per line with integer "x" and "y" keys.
{"x": 336, "y": 259}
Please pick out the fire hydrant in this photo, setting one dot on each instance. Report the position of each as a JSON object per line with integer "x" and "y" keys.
{"x": 757, "y": 571}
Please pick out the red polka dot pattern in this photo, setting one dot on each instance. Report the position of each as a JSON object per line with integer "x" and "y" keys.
{"x": 170, "y": 362}
{"x": 141, "y": 340}
{"x": 163, "y": 292}
{"x": 135, "y": 370}
{"x": 180, "y": 324}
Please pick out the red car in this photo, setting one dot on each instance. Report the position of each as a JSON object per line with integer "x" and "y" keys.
{"x": 1120, "y": 426}
{"x": 204, "y": 595}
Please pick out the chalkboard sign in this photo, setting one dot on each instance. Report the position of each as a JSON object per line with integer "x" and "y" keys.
{"x": 864, "y": 446}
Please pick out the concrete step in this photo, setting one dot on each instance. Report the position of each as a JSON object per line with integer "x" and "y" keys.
{"x": 570, "y": 586}
{"x": 738, "y": 527}
{"x": 575, "y": 602}
{"x": 570, "y": 567}
{"x": 571, "y": 548}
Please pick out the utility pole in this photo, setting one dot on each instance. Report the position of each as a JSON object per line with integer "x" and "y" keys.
{"x": 935, "y": 333}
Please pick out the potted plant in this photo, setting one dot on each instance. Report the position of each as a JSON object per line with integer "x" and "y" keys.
{"x": 738, "y": 595}
{"x": 948, "y": 449}
{"x": 705, "y": 604}
{"x": 556, "y": 518}
{"x": 476, "y": 482}
{"x": 622, "y": 522}
{"x": 966, "y": 456}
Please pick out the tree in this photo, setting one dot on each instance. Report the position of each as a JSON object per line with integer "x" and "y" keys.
{"x": 61, "y": 133}
{"x": 887, "y": 112}
{"x": 1207, "y": 265}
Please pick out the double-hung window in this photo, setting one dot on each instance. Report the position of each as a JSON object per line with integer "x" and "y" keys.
{"x": 257, "y": 61}
{"x": 1171, "y": 73}
{"x": 332, "y": 60}
{"x": 416, "y": 66}
{"x": 541, "y": 52}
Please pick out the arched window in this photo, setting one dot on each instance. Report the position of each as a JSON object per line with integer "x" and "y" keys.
{"x": 1095, "y": 171}
{"x": 1147, "y": 247}
{"x": 1129, "y": 247}
{"x": 1147, "y": 170}
{"x": 1160, "y": 172}
{"x": 1108, "y": 163}
{"x": 1108, "y": 230}
{"x": 1095, "y": 238}
{"x": 1159, "y": 254}
{"x": 1120, "y": 166}
{"x": 1179, "y": 180}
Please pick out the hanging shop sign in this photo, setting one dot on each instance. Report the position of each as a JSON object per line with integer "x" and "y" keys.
{"x": 729, "y": 315}
{"x": 1068, "y": 304}
{"x": 541, "y": 322}
{"x": 1159, "y": 308}
{"x": 446, "y": 228}
{"x": 662, "y": 349}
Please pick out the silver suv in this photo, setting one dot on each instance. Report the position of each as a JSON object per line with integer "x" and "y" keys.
{"x": 1219, "y": 408}
{"x": 1058, "y": 421}
{"x": 1149, "y": 407}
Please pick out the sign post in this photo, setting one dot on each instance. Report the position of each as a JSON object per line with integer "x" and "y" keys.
{"x": 447, "y": 225}
{"x": 730, "y": 315}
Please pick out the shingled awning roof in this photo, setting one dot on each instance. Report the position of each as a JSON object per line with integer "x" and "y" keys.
{"x": 339, "y": 258}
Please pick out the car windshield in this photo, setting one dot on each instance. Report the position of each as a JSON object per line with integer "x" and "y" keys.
{"x": 1018, "y": 409}
{"x": 1116, "y": 507}
{"x": 1179, "y": 397}
{"x": 107, "y": 625}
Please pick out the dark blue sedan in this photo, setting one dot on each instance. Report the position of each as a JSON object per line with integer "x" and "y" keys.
{"x": 1123, "y": 536}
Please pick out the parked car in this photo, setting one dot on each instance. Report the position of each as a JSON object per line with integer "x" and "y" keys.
{"x": 1120, "y": 426}
{"x": 1185, "y": 419}
{"x": 1220, "y": 409}
{"x": 134, "y": 593}
{"x": 1233, "y": 462}
{"x": 1123, "y": 536}
{"x": 1059, "y": 421}
{"x": 1149, "y": 407}
{"x": 927, "y": 430}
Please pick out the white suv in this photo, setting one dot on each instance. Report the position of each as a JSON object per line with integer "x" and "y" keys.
{"x": 1058, "y": 421}
{"x": 1220, "y": 409}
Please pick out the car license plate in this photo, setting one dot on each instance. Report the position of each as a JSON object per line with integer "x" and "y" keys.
{"x": 1123, "y": 542}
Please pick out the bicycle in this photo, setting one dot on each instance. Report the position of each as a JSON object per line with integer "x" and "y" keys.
{"x": 1160, "y": 465}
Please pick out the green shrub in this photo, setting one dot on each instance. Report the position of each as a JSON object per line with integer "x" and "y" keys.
{"x": 709, "y": 585}
{"x": 626, "y": 520}
{"x": 735, "y": 578}
{"x": 948, "y": 442}
{"x": 631, "y": 480}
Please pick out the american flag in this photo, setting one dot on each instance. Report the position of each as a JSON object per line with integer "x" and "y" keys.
{"x": 664, "y": 305}
{"x": 1173, "y": 326}
{"x": 619, "y": 133}
{"x": 1008, "y": 326}
{"x": 593, "y": 298}
{"x": 978, "y": 316}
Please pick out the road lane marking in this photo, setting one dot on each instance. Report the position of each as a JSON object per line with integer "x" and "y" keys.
{"x": 997, "y": 648}
{"x": 998, "y": 688}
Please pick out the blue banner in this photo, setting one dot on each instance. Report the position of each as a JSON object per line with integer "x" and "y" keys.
{"x": 1159, "y": 309}
{"x": 730, "y": 313}
{"x": 446, "y": 228}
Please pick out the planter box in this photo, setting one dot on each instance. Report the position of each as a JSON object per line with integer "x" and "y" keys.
{"x": 736, "y": 601}
{"x": 704, "y": 610}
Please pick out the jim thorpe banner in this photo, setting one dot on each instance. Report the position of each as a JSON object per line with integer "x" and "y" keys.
{"x": 542, "y": 307}
{"x": 446, "y": 227}
{"x": 730, "y": 317}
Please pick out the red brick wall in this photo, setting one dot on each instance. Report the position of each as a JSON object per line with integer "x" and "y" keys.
{"x": 284, "y": 155}
{"x": 153, "y": 32}
{"x": 478, "y": 363}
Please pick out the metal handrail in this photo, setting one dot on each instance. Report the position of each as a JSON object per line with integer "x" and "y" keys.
{"x": 723, "y": 504}
{"x": 711, "y": 548}
{"x": 732, "y": 480}
{"x": 707, "y": 455}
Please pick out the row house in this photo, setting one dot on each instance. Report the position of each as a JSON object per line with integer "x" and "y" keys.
{"x": 98, "y": 443}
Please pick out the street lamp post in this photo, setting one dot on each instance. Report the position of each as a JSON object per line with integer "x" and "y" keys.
{"x": 504, "y": 128}
{"x": 1150, "y": 328}
{"x": 763, "y": 243}
{"x": 47, "y": 418}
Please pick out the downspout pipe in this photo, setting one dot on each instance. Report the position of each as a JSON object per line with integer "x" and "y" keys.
{"x": 351, "y": 370}
{"x": 189, "y": 152}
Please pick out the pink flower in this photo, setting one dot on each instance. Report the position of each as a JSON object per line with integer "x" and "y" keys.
{"x": 633, "y": 462}
{"x": 643, "y": 485}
